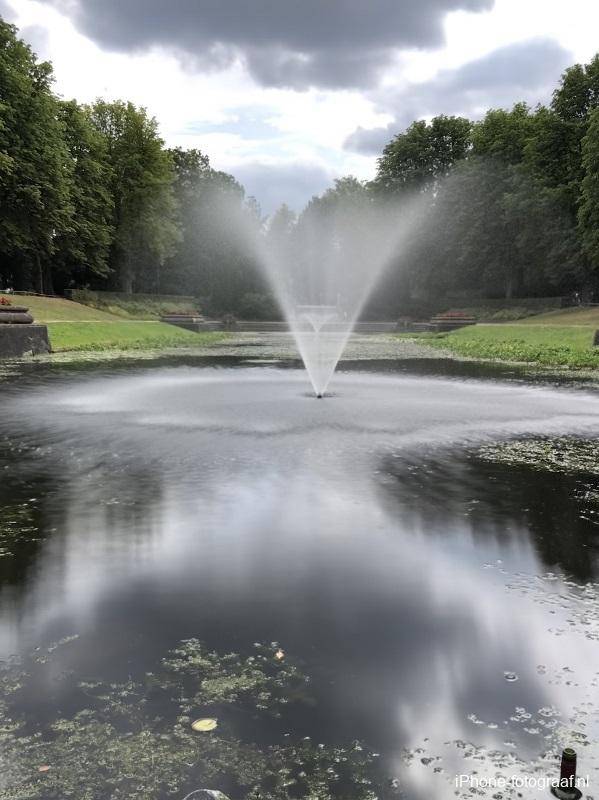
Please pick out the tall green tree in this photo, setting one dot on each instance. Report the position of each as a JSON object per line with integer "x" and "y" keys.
{"x": 215, "y": 259}
{"x": 142, "y": 176}
{"x": 192, "y": 174}
{"x": 82, "y": 250}
{"x": 588, "y": 214}
{"x": 503, "y": 134}
{"x": 279, "y": 233}
{"x": 573, "y": 102}
{"x": 552, "y": 152}
{"x": 414, "y": 160}
{"x": 578, "y": 92}
{"x": 35, "y": 167}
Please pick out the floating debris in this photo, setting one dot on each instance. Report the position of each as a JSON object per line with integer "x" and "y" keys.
{"x": 559, "y": 454}
{"x": 205, "y": 724}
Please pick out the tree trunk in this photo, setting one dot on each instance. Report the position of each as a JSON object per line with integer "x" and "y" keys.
{"x": 39, "y": 274}
{"x": 127, "y": 283}
{"x": 47, "y": 277}
{"x": 126, "y": 280}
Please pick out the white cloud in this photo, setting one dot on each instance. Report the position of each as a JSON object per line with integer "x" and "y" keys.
{"x": 238, "y": 122}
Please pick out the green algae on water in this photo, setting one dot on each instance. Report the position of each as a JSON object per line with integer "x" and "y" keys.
{"x": 561, "y": 454}
{"x": 134, "y": 739}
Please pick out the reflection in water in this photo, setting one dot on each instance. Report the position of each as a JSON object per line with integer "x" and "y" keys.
{"x": 548, "y": 509}
{"x": 359, "y": 531}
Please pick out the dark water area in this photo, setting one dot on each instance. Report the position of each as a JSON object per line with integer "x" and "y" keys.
{"x": 445, "y": 607}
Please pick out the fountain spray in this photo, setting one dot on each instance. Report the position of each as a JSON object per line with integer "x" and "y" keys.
{"x": 323, "y": 267}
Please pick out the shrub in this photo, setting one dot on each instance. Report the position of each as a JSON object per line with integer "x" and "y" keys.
{"x": 254, "y": 305}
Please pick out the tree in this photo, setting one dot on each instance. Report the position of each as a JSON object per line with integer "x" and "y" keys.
{"x": 573, "y": 102}
{"x": 500, "y": 231}
{"x": 279, "y": 233}
{"x": 578, "y": 92}
{"x": 588, "y": 214}
{"x": 35, "y": 168}
{"x": 552, "y": 152}
{"x": 192, "y": 174}
{"x": 216, "y": 257}
{"x": 547, "y": 248}
{"x": 82, "y": 250}
{"x": 422, "y": 154}
{"x": 142, "y": 177}
{"x": 503, "y": 134}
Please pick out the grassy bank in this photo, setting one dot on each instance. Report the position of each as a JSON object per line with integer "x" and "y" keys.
{"x": 124, "y": 335}
{"x": 57, "y": 309}
{"x": 78, "y": 328}
{"x": 550, "y": 345}
{"x": 135, "y": 306}
{"x": 567, "y": 316}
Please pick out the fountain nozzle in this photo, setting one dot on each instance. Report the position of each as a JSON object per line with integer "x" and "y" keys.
{"x": 319, "y": 395}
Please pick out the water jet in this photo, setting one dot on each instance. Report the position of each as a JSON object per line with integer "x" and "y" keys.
{"x": 323, "y": 267}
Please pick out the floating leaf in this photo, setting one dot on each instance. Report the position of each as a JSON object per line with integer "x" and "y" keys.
{"x": 205, "y": 724}
{"x": 43, "y": 768}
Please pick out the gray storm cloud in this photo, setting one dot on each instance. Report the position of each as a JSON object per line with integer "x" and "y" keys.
{"x": 525, "y": 71}
{"x": 338, "y": 43}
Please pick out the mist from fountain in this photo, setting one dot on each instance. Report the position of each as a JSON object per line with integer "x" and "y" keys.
{"x": 323, "y": 270}
{"x": 320, "y": 349}
{"x": 323, "y": 267}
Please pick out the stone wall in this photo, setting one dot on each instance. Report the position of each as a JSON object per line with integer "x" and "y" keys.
{"x": 22, "y": 340}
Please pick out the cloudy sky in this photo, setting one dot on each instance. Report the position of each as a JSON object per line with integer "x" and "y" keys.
{"x": 288, "y": 94}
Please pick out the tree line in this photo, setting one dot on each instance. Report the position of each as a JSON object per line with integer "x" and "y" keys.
{"x": 513, "y": 200}
{"x": 91, "y": 197}
{"x": 507, "y": 206}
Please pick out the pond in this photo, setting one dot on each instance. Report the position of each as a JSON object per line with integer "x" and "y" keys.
{"x": 442, "y": 604}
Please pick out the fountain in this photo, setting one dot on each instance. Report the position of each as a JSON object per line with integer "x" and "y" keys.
{"x": 323, "y": 269}
{"x": 321, "y": 334}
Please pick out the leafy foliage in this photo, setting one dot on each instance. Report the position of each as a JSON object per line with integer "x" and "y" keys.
{"x": 588, "y": 214}
{"x": 35, "y": 169}
{"x": 83, "y": 249}
{"x": 214, "y": 260}
{"x": 424, "y": 153}
{"x": 141, "y": 185}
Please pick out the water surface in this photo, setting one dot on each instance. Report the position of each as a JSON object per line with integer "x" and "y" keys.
{"x": 434, "y": 598}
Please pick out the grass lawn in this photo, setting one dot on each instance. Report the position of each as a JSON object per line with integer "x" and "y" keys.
{"x": 56, "y": 309}
{"x": 136, "y": 306}
{"x": 565, "y": 316}
{"x": 544, "y": 344}
{"x": 75, "y": 327}
{"x": 124, "y": 335}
